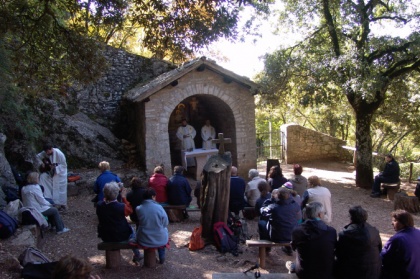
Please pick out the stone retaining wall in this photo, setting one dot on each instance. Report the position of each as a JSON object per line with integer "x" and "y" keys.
{"x": 303, "y": 144}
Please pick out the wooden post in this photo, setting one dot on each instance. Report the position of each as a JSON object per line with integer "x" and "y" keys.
{"x": 215, "y": 190}
{"x": 113, "y": 258}
{"x": 150, "y": 257}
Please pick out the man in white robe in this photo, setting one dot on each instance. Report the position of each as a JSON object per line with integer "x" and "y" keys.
{"x": 55, "y": 181}
{"x": 186, "y": 133}
{"x": 208, "y": 133}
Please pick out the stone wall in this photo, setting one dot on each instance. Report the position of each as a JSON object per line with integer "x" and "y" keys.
{"x": 302, "y": 144}
{"x": 101, "y": 100}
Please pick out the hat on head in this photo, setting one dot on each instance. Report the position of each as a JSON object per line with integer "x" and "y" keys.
{"x": 288, "y": 185}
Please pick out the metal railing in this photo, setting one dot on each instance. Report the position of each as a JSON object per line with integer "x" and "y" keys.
{"x": 270, "y": 146}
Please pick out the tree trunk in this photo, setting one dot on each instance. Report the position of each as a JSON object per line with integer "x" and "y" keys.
{"x": 364, "y": 174}
{"x": 214, "y": 193}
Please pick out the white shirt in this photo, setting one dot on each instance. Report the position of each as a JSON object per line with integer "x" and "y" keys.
{"x": 32, "y": 197}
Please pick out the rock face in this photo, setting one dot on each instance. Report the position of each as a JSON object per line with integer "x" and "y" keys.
{"x": 6, "y": 175}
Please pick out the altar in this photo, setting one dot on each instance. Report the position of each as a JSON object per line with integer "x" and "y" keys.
{"x": 201, "y": 156}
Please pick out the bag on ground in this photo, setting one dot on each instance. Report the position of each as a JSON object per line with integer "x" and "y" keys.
{"x": 196, "y": 241}
{"x": 33, "y": 256}
{"x": 8, "y": 225}
{"x": 225, "y": 239}
{"x": 12, "y": 208}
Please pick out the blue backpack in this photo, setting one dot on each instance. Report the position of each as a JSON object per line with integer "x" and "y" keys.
{"x": 225, "y": 239}
{"x": 8, "y": 225}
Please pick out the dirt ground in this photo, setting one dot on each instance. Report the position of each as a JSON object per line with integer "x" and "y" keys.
{"x": 181, "y": 263}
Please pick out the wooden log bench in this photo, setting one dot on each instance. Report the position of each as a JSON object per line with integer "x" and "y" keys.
{"x": 409, "y": 203}
{"x": 262, "y": 245}
{"x": 176, "y": 212}
{"x": 113, "y": 254}
{"x": 391, "y": 189}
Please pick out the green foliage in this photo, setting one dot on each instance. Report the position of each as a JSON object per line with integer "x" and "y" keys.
{"x": 340, "y": 58}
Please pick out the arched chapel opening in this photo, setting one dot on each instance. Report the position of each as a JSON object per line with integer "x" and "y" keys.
{"x": 197, "y": 109}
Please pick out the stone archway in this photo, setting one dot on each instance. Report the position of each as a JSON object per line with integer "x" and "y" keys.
{"x": 197, "y": 109}
{"x": 226, "y": 99}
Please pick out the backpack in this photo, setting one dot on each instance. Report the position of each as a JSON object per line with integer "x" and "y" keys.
{"x": 33, "y": 256}
{"x": 196, "y": 241}
{"x": 8, "y": 225}
{"x": 225, "y": 239}
{"x": 35, "y": 264}
{"x": 239, "y": 227}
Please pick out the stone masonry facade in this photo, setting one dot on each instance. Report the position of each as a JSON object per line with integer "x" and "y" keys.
{"x": 237, "y": 98}
{"x": 302, "y": 144}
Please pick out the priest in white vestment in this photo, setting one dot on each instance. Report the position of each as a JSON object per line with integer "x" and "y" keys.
{"x": 186, "y": 133}
{"x": 208, "y": 133}
{"x": 54, "y": 181}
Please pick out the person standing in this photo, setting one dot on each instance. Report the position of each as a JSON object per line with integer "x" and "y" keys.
{"x": 55, "y": 181}
{"x": 208, "y": 133}
{"x": 179, "y": 189}
{"x": 314, "y": 242}
{"x": 318, "y": 193}
{"x": 237, "y": 191}
{"x": 358, "y": 248}
{"x": 401, "y": 253}
{"x": 186, "y": 134}
{"x": 391, "y": 174}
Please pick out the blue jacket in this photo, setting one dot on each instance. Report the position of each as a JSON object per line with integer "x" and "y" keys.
{"x": 153, "y": 224}
{"x": 236, "y": 196}
{"x": 401, "y": 255}
{"x": 283, "y": 218}
{"x": 104, "y": 178}
{"x": 179, "y": 190}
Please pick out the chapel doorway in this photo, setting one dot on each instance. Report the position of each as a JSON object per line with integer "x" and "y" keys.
{"x": 197, "y": 109}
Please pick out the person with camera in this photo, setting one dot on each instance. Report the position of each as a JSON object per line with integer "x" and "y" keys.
{"x": 54, "y": 175}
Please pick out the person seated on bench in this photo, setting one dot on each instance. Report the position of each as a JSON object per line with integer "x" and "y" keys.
{"x": 237, "y": 191}
{"x": 300, "y": 183}
{"x": 265, "y": 194}
{"x": 153, "y": 224}
{"x": 113, "y": 226}
{"x": 159, "y": 182}
{"x": 251, "y": 190}
{"x": 105, "y": 177}
{"x": 135, "y": 196}
{"x": 318, "y": 193}
{"x": 276, "y": 177}
{"x": 314, "y": 243}
{"x": 179, "y": 189}
{"x": 391, "y": 174}
{"x": 32, "y": 197}
{"x": 282, "y": 219}
{"x": 358, "y": 248}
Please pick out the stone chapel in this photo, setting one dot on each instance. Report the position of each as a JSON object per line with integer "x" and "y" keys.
{"x": 197, "y": 90}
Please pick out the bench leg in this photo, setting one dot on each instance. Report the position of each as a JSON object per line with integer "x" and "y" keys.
{"x": 113, "y": 258}
{"x": 262, "y": 251}
{"x": 150, "y": 257}
{"x": 390, "y": 192}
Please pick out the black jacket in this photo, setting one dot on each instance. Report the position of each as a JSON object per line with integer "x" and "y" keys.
{"x": 358, "y": 251}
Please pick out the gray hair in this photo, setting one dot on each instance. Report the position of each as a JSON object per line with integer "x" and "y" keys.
{"x": 253, "y": 173}
{"x": 313, "y": 209}
{"x": 111, "y": 191}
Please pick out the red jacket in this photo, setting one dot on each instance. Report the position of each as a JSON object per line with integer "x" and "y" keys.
{"x": 158, "y": 182}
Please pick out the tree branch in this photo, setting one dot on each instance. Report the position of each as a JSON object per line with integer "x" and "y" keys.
{"x": 393, "y": 73}
{"x": 396, "y": 18}
{"x": 331, "y": 27}
{"x": 389, "y": 50}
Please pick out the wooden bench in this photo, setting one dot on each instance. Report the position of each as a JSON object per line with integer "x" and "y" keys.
{"x": 391, "y": 189}
{"x": 113, "y": 254}
{"x": 262, "y": 245}
{"x": 176, "y": 212}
